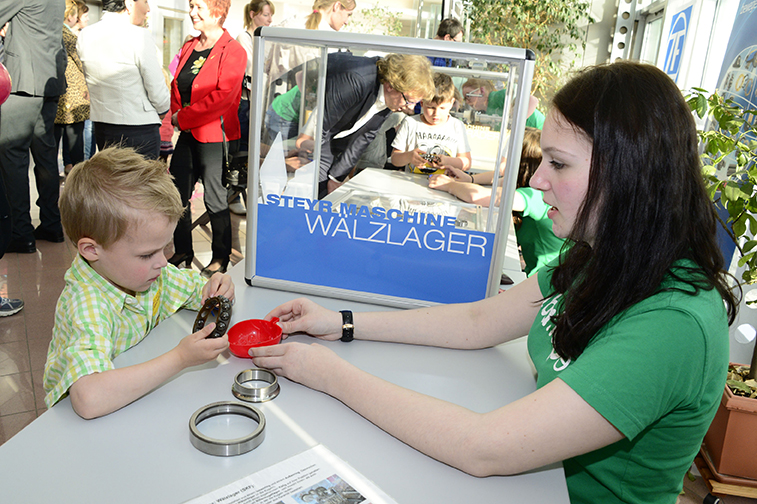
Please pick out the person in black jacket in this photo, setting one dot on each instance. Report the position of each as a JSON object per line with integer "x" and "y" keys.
{"x": 360, "y": 94}
{"x": 7, "y": 306}
{"x": 36, "y": 61}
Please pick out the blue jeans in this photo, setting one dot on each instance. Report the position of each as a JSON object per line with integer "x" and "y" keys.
{"x": 275, "y": 124}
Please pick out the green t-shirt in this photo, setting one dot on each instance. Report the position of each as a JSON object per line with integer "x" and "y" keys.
{"x": 495, "y": 105}
{"x": 287, "y": 105}
{"x": 95, "y": 321}
{"x": 656, "y": 372}
{"x": 537, "y": 241}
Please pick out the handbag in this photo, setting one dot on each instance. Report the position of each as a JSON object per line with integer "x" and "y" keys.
{"x": 234, "y": 167}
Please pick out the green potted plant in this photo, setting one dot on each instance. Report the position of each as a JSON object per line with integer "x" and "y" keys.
{"x": 729, "y": 167}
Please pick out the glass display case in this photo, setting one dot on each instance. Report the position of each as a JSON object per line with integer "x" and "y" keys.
{"x": 333, "y": 216}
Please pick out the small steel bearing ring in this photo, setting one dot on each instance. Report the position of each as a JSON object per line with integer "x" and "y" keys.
{"x": 255, "y": 394}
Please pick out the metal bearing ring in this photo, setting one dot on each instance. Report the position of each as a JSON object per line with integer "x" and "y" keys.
{"x": 221, "y": 447}
{"x": 255, "y": 394}
{"x": 221, "y": 308}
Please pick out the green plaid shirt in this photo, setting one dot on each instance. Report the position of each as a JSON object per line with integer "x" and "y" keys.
{"x": 95, "y": 321}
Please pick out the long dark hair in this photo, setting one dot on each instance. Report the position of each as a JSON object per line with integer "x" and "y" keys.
{"x": 645, "y": 205}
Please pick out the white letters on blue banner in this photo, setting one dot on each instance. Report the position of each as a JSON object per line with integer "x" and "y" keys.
{"x": 386, "y": 251}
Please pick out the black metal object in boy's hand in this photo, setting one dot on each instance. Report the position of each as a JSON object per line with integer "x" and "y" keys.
{"x": 218, "y": 307}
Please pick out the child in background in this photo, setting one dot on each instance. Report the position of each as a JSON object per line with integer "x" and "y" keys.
{"x": 120, "y": 210}
{"x": 434, "y": 134}
{"x": 533, "y": 229}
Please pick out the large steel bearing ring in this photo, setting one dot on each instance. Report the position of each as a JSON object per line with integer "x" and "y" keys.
{"x": 226, "y": 447}
{"x": 221, "y": 308}
{"x": 255, "y": 394}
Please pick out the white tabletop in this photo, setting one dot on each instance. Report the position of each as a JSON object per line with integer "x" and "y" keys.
{"x": 142, "y": 452}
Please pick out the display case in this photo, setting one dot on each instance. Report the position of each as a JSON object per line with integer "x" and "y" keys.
{"x": 382, "y": 235}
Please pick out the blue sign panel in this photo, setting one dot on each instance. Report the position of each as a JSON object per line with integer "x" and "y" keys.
{"x": 389, "y": 252}
{"x": 679, "y": 26}
{"x": 738, "y": 81}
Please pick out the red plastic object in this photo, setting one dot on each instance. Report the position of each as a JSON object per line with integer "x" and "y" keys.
{"x": 253, "y": 333}
{"x": 5, "y": 84}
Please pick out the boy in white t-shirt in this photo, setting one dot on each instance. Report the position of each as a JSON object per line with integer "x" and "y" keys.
{"x": 430, "y": 142}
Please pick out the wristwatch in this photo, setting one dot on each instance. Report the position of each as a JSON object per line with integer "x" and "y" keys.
{"x": 348, "y": 329}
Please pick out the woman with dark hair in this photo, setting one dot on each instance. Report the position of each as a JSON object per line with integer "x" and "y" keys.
{"x": 628, "y": 328}
{"x": 204, "y": 101}
{"x": 127, "y": 91}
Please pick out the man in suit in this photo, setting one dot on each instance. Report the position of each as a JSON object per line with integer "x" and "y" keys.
{"x": 36, "y": 61}
{"x": 360, "y": 94}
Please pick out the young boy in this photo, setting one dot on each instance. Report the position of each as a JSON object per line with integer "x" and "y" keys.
{"x": 120, "y": 210}
{"x": 433, "y": 133}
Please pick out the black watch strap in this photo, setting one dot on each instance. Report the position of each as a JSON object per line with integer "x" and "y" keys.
{"x": 348, "y": 329}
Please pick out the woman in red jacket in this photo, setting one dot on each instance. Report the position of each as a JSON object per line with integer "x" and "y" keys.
{"x": 204, "y": 97}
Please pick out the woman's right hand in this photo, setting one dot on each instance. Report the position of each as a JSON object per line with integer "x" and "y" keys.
{"x": 457, "y": 174}
{"x": 440, "y": 182}
{"x": 303, "y": 315}
{"x": 311, "y": 365}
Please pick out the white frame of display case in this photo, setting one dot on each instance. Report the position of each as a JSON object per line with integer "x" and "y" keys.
{"x": 522, "y": 59}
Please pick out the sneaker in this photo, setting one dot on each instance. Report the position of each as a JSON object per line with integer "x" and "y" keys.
{"x": 10, "y": 306}
{"x": 237, "y": 207}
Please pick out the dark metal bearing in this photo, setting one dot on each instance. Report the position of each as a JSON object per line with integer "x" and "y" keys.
{"x": 218, "y": 306}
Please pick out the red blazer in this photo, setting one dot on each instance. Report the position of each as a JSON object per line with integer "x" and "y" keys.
{"x": 215, "y": 91}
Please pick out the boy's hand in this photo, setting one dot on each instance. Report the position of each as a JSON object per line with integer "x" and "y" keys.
{"x": 417, "y": 159}
{"x": 197, "y": 348}
{"x": 220, "y": 284}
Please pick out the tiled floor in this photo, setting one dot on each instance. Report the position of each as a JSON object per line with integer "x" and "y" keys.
{"x": 24, "y": 337}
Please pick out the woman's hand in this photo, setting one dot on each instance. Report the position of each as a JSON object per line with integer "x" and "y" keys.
{"x": 440, "y": 182}
{"x": 311, "y": 365}
{"x": 175, "y": 120}
{"x": 303, "y": 315}
{"x": 458, "y": 175}
{"x": 220, "y": 284}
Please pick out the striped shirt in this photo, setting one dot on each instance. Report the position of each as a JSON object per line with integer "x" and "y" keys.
{"x": 95, "y": 321}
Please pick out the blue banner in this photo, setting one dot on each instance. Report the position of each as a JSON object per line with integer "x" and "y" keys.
{"x": 738, "y": 76}
{"x": 679, "y": 28}
{"x": 389, "y": 252}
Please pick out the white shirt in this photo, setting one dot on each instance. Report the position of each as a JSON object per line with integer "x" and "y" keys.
{"x": 125, "y": 80}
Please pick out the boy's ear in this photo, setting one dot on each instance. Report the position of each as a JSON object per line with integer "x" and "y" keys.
{"x": 89, "y": 249}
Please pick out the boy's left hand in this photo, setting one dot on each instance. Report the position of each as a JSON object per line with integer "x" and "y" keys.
{"x": 220, "y": 284}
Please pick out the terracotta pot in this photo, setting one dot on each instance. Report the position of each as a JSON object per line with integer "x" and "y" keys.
{"x": 732, "y": 438}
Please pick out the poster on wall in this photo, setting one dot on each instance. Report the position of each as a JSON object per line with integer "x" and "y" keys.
{"x": 679, "y": 28}
{"x": 737, "y": 79}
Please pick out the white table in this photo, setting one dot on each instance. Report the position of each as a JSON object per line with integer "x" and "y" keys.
{"x": 142, "y": 453}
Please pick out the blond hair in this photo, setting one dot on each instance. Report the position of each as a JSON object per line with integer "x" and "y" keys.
{"x": 314, "y": 19}
{"x": 102, "y": 193}
{"x": 72, "y": 9}
{"x": 476, "y": 83}
{"x": 407, "y": 72}
{"x": 255, "y": 7}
